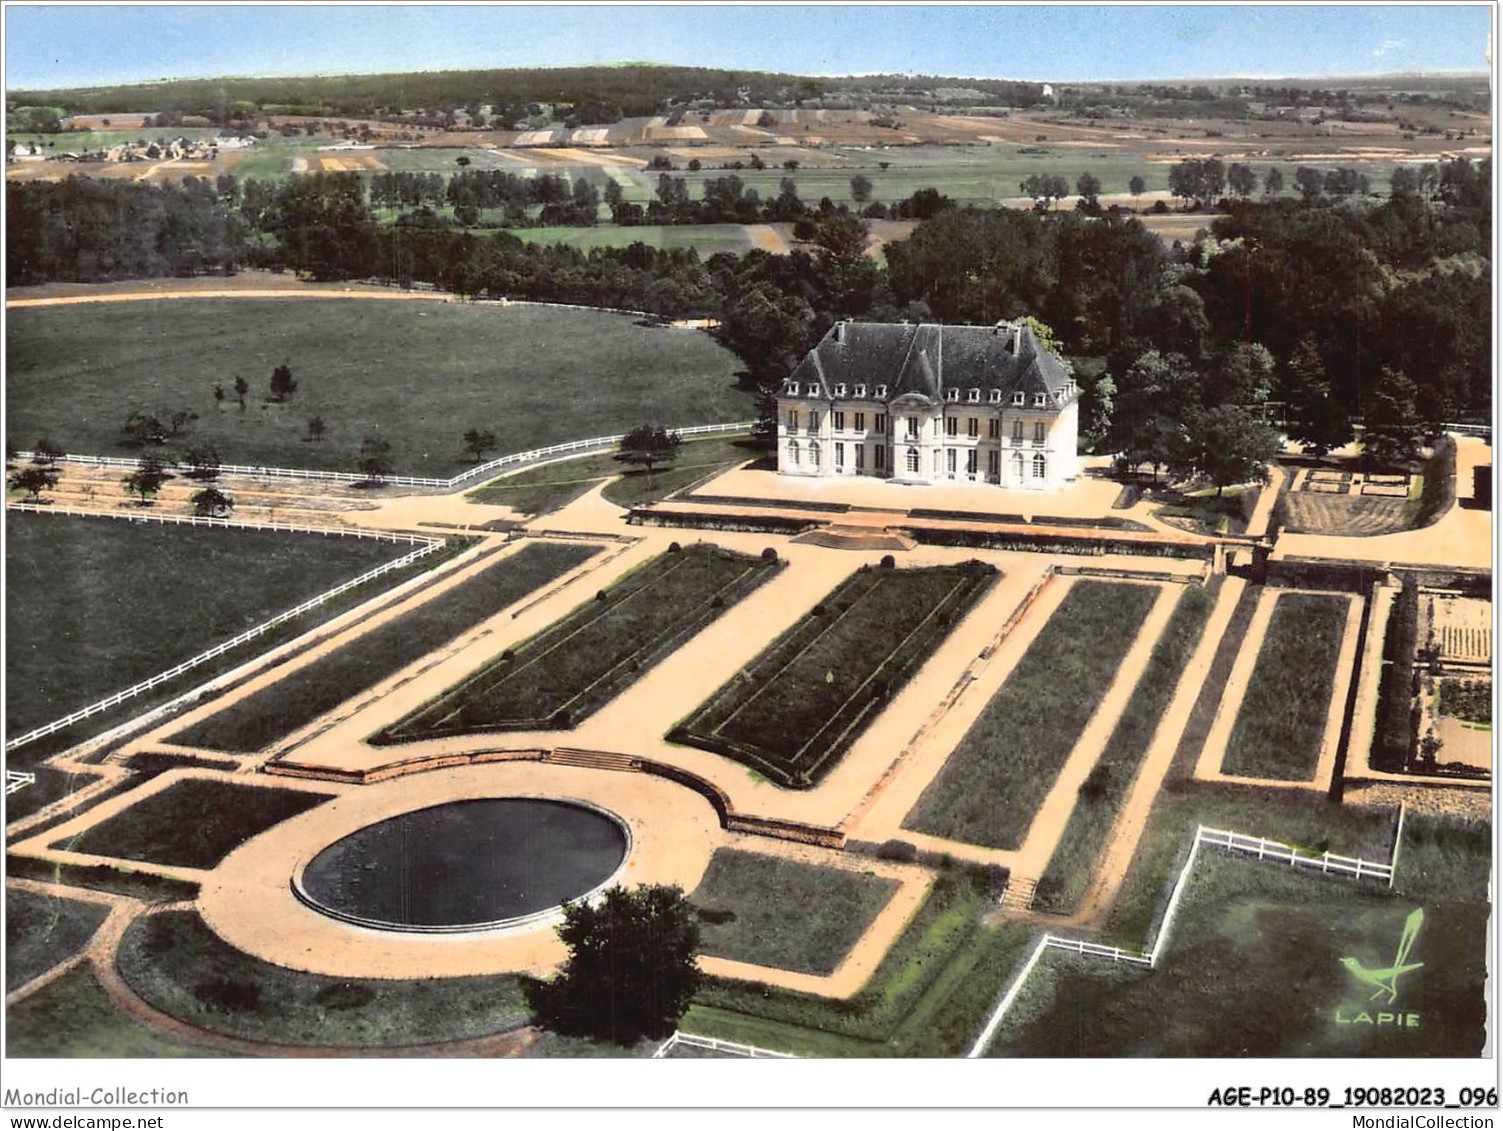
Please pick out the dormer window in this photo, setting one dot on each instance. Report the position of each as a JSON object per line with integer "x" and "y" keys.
{"x": 881, "y": 392}
{"x": 1017, "y": 398}
{"x": 996, "y": 396}
{"x": 973, "y": 396}
{"x": 812, "y": 390}
{"x": 790, "y": 388}
{"x": 952, "y": 394}
{"x": 840, "y": 390}
{"x": 861, "y": 391}
{"x": 1038, "y": 400}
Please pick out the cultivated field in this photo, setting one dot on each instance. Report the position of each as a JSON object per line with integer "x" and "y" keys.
{"x": 96, "y": 605}
{"x": 795, "y": 710}
{"x": 1282, "y": 721}
{"x": 577, "y": 665}
{"x": 992, "y": 784}
{"x": 417, "y": 374}
{"x": 263, "y": 717}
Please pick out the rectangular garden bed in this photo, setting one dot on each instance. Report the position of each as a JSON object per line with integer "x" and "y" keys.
{"x": 994, "y": 781}
{"x": 1282, "y": 721}
{"x": 274, "y": 712}
{"x": 581, "y": 662}
{"x": 797, "y": 708}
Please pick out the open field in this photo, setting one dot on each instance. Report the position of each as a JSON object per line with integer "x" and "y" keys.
{"x": 1096, "y": 807}
{"x": 1282, "y": 721}
{"x": 776, "y": 912}
{"x": 795, "y": 710}
{"x": 43, "y": 930}
{"x": 578, "y": 664}
{"x": 181, "y": 967}
{"x": 1255, "y": 967}
{"x": 99, "y": 604}
{"x": 537, "y": 490}
{"x": 418, "y": 374}
{"x": 993, "y": 782}
{"x": 707, "y": 239}
{"x": 193, "y": 823}
{"x": 264, "y": 717}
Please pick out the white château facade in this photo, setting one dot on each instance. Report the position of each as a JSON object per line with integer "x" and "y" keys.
{"x": 931, "y": 404}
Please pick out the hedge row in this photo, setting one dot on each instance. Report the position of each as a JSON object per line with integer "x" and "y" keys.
{"x": 1438, "y": 494}
{"x": 1394, "y": 735}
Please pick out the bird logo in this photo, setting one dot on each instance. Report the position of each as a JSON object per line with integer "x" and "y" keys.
{"x": 1386, "y": 981}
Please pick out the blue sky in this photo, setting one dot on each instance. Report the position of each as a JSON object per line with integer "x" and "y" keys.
{"x": 83, "y": 45}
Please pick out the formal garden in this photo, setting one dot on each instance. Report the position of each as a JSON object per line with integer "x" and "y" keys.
{"x": 565, "y": 673}
{"x": 997, "y": 776}
{"x": 263, "y": 717}
{"x": 799, "y": 706}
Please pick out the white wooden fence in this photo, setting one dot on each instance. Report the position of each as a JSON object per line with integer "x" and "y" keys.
{"x": 425, "y": 546}
{"x": 17, "y": 780}
{"x": 258, "y": 471}
{"x": 1261, "y": 847}
{"x": 149, "y": 516}
{"x": 713, "y": 1044}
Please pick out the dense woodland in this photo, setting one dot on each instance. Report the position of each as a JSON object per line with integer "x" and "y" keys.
{"x": 1346, "y": 309}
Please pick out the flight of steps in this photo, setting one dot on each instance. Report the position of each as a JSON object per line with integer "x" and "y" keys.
{"x": 1019, "y": 893}
{"x": 592, "y": 759}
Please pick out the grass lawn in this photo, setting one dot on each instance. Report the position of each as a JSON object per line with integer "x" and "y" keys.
{"x": 1282, "y": 720}
{"x": 74, "y": 1017}
{"x": 707, "y": 239}
{"x": 182, "y": 968}
{"x": 533, "y": 376}
{"x": 194, "y": 823}
{"x": 43, "y": 930}
{"x": 797, "y": 708}
{"x": 777, "y": 912}
{"x": 51, "y": 785}
{"x": 546, "y": 488}
{"x": 1001, "y": 771}
{"x": 1296, "y": 817}
{"x": 1064, "y": 880}
{"x": 1210, "y": 513}
{"x": 1255, "y": 967}
{"x": 276, "y": 711}
{"x": 929, "y": 996}
{"x": 583, "y": 661}
{"x": 96, "y": 605}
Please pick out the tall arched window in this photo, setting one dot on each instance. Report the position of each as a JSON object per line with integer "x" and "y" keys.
{"x": 1038, "y": 466}
{"x": 913, "y": 461}
{"x": 1017, "y": 467}
{"x": 792, "y": 453}
{"x": 813, "y": 455}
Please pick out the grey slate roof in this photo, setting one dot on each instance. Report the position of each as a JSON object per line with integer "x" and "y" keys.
{"x": 928, "y": 359}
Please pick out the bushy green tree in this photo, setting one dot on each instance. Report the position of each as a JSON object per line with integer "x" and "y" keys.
{"x": 649, "y": 444}
{"x": 630, "y": 973}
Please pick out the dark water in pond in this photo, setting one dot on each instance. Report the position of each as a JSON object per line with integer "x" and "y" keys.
{"x": 467, "y": 862}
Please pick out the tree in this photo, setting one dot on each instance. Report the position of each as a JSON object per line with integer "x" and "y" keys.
{"x": 630, "y": 973}
{"x": 316, "y": 429}
{"x": 1309, "y": 183}
{"x": 861, "y": 189}
{"x": 1317, "y": 420}
{"x": 1392, "y": 428}
{"x": 211, "y": 502}
{"x": 649, "y": 444}
{"x": 1235, "y": 446}
{"x": 142, "y": 428}
{"x": 375, "y": 458}
{"x": 1197, "y": 180}
{"x": 1241, "y": 180}
{"x": 477, "y": 442}
{"x": 147, "y": 479}
{"x": 203, "y": 460}
{"x": 1088, "y": 188}
{"x": 34, "y": 480}
{"x": 1136, "y": 185}
{"x": 1044, "y": 188}
{"x": 241, "y": 388}
{"x": 1273, "y": 181}
{"x": 45, "y": 453}
{"x": 1155, "y": 397}
{"x": 282, "y": 383}
{"x": 219, "y": 395}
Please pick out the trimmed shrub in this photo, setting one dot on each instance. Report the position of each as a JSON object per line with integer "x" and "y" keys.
{"x": 889, "y": 562}
{"x": 674, "y": 547}
{"x": 1482, "y": 486}
{"x": 902, "y": 851}
{"x": 1393, "y": 738}
{"x": 1438, "y": 494}
{"x": 769, "y": 555}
